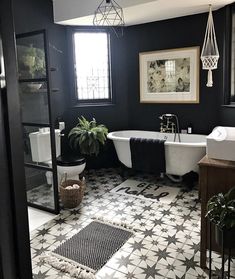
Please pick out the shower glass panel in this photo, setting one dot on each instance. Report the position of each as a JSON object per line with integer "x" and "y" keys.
{"x": 40, "y": 137}
{"x": 31, "y": 56}
{"x": 39, "y": 187}
{"x": 31, "y": 155}
{"x": 34, "y": 102}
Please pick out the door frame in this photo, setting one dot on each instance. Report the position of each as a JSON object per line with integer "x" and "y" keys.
{"x": 14, "y": 231}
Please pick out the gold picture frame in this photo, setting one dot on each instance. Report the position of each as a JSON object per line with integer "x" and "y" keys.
{"x": 170, "y": 76}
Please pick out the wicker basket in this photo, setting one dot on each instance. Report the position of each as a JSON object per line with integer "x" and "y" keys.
{"x": 72, "y": 197}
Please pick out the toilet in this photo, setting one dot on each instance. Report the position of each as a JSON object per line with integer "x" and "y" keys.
{"x": 69, "y": 166}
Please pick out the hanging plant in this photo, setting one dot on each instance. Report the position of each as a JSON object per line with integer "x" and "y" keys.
{"x": 210, "y": 52}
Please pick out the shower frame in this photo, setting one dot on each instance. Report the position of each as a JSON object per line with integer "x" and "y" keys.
{"x": 50, "y": 124}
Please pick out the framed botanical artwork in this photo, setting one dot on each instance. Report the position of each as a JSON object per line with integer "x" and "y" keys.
{"x": 170, "y": 76}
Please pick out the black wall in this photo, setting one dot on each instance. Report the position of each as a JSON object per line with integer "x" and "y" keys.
{"x": 227, "y": 116}
{"x": 33, "y": 15}
{"x": 115, "y": 115}
{"x": 127, "y": 112}
{"x": 175, "y": 33}
{"x": 227, "y": 113}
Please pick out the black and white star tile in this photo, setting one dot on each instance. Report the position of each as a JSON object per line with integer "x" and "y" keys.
{"x": 42, "y": 195}
{"x": 166, "y": 243}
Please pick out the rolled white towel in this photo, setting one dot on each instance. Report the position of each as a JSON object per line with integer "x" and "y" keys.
{"x": 69, "y": 188}
{"x": 76, "y": 186}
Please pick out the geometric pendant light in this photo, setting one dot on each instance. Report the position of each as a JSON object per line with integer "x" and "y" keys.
{"x": 210, "y": 52}
{"x": 109, "y": 13}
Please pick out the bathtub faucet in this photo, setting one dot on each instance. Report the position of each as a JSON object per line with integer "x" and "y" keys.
{"x": 170, "y": 124}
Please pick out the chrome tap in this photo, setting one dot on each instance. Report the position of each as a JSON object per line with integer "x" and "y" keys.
{"x": 170, "y": 124}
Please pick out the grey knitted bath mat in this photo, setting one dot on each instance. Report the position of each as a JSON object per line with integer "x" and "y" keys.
{"x": 88, "y": 250}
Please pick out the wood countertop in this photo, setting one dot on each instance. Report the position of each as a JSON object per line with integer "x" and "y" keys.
{"x": 209, "y": 162}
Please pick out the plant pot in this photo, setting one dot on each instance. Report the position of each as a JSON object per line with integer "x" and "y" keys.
{"x": 227, "y": 234}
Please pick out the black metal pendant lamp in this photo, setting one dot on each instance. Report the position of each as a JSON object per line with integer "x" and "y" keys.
{"x": 110, "y": 14}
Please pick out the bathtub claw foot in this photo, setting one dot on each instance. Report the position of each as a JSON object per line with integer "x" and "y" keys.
{"x": 174, "y": 178}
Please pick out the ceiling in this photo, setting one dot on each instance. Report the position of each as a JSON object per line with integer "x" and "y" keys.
{"x": 80, "y": 12}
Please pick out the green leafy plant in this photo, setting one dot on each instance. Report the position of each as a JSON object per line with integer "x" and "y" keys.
{"x": 221, "y": 210}
{"x": 87, "y": 136}
{"x": 31, "y": 61}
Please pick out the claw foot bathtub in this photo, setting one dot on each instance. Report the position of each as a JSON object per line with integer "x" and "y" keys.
{"x": 181, "y": 157}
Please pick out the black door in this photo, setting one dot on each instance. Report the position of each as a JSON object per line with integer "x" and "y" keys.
{"x": 15, "y": 261}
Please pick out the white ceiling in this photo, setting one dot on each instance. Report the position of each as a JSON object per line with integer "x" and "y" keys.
{"x": 80, "y": 12}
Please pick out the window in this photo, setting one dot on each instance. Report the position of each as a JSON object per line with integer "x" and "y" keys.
{"x": 92, "y": 67}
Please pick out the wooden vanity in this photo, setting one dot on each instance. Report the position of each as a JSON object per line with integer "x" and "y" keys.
{"x": 215, "y": 176}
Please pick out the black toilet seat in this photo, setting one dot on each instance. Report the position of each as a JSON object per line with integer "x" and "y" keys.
{"x": 70, "y": 161}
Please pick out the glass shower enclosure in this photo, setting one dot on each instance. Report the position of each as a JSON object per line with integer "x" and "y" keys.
{"x": 41, "y": 140}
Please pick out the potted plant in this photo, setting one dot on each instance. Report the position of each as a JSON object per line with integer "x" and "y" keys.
{"x": 88, "y": 136}
{"x": 221, "y": 212}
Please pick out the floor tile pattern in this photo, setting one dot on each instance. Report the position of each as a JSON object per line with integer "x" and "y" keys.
{"x": 42, "y": 195}
{"x": 167, "y": 239}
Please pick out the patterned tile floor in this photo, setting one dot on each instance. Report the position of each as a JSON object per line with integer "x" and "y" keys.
{"x": 166, "y": 244}
{"x": 42, "y": 195}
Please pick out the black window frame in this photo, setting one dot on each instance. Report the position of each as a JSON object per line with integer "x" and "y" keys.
{"x": 74, "y": 97}
{"x": 232, "y": 63}
{"x": 228, "y": 63}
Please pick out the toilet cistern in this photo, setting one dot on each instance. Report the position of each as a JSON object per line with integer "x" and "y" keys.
{"x": 40, "y": 144}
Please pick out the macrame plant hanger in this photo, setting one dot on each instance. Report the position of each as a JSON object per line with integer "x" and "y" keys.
{"x": 210, "y": 52}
